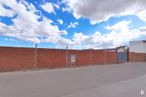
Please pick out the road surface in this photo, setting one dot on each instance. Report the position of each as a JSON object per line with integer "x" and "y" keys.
{"x": 117, "y": 80}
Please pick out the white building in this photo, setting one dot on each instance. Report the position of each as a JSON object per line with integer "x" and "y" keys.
{"x": 137, "y": 46}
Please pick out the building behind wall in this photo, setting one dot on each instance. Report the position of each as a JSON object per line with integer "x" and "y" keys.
{"x": 137, "y": 51}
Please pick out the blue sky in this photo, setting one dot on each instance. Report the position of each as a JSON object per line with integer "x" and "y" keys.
{"x": 79, "y": 24}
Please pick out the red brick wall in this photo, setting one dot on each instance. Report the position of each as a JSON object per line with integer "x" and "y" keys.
{"x": 16, "y": 58}
{"x": 104, "y": 57}
{"x": 12, "y": 58}
{"x": 83, "y": 57}
{"x": 98, "y": 57}
{"x": 137, "y": 57}
{"x": 49, "y": 58}
{"x": 111, "y": 57}
{"x": 90, "y": 57}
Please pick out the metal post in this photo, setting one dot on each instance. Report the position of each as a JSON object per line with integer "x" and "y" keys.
{"x": 134, "y": 56}
{"x": 66, "y": 55}
{"x": 105, "y": 56}
{"x": 91, "y": 56}
{"x": 35, "y": 60}
{"x": 145, "y": 52}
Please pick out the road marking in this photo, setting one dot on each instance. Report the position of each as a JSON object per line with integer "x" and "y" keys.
{"x": 141, "y": 92}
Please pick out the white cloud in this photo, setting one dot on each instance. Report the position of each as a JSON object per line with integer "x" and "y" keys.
{"x": 48, "y": 7}
{"x": 56, "y": 6}
{"x": 66, "y": 9}
{"x": 59, "y": 40}
{"x": 73, "y": 25}
{"x": 79, "y": 38}
{"x": 119, "y": 35}
{"x": 60, "y": 21}
{"x": 30, "y": 29}
{"x": 6, "y": 12}
{"x": 102, "y": 10}
{"x": 143, "y": 29}
{"x": 142, "y": 15}
{"x": 29, "y": 7}
{"x": 26, "y": 26}
{"x": 11, "y": 40}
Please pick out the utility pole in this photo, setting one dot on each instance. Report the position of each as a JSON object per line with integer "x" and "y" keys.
{"x": 35, "y": 59}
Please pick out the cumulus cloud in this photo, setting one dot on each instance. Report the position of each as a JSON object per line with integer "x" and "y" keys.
{"x": 30, "y": 29}
{"x": 102, "y": 10}
{"x": 60, "y": 21}
{"x": 119, "y": 35}
{"x": 55, "y": 6}
{"x": 5, "y": 12}
{"x": 73, "y": 25}
{"x": 142, "y": 29}
{"x": 48, "y": 7}
{"x": 79, "y": 38}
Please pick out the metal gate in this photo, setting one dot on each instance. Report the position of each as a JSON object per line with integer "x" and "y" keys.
{"x": 122, "y": 57}
{"x": 72, "y": 59}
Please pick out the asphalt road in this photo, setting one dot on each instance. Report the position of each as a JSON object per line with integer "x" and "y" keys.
{"x": 117, "y": 80}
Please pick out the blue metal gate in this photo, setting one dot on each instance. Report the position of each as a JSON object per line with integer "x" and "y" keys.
{"x": 122, "y": 57}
